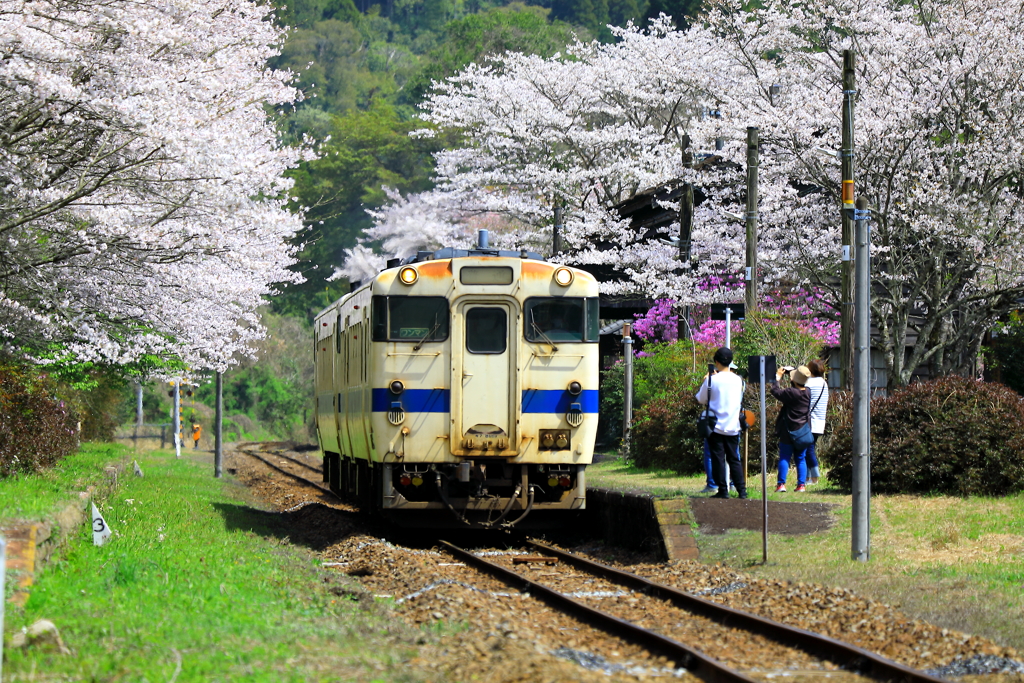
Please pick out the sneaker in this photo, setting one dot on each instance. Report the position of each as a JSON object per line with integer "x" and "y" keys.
{"x": 813, "y": 481}
{"x": 780, "y": 488}
{"x": 799, "y": 489}
{"x": 732, "y": 486}
{"x": 709, "y": 489}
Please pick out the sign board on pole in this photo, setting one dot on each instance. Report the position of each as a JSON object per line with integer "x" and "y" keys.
{"x": 736, "y": 311}
{"x": 754, "y": 368}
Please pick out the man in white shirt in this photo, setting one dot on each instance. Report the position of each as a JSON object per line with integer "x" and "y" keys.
{"x": 726, "y": 390}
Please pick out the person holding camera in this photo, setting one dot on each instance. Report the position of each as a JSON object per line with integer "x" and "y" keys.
{"x": 722, "y": 393}
{"x": 793, "y": 425}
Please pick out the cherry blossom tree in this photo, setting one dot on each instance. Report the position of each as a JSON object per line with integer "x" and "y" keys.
{"x": 938, "y": 157}
{"x": 143, "y": 202}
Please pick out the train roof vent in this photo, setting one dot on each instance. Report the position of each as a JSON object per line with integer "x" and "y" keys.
{"x": 393, "y": 263}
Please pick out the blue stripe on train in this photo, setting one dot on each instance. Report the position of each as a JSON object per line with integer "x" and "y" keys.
{"x": 414, "y": 400}
{"x": 558, "y": 400}
{"x": 439, "y": 400}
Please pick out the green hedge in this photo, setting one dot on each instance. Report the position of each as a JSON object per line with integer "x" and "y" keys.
{"x": 951, "y": 435}
{"x": 36, "y": 427}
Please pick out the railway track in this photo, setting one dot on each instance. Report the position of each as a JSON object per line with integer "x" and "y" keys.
{"x": 862, "y": 664}
{"x": 711, "y": 641}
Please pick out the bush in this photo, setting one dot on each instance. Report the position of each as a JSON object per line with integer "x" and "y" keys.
{"x": 36, "y": 428}
{"x": 951, "y": 435}
{"x": 653, "y": 372}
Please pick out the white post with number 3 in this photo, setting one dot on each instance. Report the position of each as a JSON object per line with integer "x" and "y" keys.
{"x": 100, "y": 530}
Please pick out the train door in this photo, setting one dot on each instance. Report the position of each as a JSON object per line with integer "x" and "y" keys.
{"x": 486, "y": 378}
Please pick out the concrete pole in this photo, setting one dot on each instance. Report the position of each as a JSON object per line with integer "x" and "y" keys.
{"x": 556, "y": 232}
{"x": 752, "y": 197}
{"x": 846, "y": 313}
{"x": 176, "y": 418}
{"x": 764, "y": 465}
{"x": 685, "y": 233}
{"x": 138, "y": 412}
{"x": 861, "y": 532}
{"x": 627, "y": 389}
{"x": 218, "y": 430}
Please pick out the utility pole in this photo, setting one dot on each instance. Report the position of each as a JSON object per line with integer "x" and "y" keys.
{"x": 556, "y": 232}
{"x": 752, "y": 197}
{"x": 861, "y": 523}
{"x": 627, "y": 390}
{"x": 218, "y": 430}
{"x": 685, "y": 232}
{"x": 176, "y": 419}
{"x": 846, "y": 313}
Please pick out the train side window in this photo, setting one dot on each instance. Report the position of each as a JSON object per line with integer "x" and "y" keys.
{"x": 556, "y": 319}
{"x": 379, "y": 318}
{"x": 592, "y": 333}
{"x": 409, "y": 318}
{"x": 486, "y": 330}
{"x": 337, "y": 334}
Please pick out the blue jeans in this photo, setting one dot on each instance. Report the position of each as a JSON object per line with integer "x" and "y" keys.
{"x": 786, "y": 454}
{"x": 707, "y": 464}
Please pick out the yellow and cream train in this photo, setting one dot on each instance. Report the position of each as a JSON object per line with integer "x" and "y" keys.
{"x": 459, "y": 388}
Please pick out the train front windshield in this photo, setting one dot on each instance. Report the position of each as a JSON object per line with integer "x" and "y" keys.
{"x": 561, "y": 319}
{"x": 410, "y": 318}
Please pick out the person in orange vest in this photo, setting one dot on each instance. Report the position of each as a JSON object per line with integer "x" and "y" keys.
{"x": 197, "y": 431}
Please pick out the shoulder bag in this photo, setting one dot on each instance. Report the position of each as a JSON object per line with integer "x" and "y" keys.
{"x": 706, "y": 422}
{"x": 802, "y": 437}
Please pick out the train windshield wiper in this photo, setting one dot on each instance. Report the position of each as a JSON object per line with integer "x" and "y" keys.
{"x": 437, "y": 324}
{"x": 539, "y": 331}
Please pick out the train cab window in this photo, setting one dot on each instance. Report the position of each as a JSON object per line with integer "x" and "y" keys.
{"x": 561, "y": 319}
{"x": 409, "y": 318}
{"x": 486, "y": 330}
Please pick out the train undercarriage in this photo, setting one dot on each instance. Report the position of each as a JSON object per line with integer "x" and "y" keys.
{"x": 482, "y": 494}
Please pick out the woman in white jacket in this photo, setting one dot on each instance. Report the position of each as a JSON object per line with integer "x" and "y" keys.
{"x": 818, "y": 388}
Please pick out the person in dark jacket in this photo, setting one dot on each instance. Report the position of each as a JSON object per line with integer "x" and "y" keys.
{"x": 796, "y": 408}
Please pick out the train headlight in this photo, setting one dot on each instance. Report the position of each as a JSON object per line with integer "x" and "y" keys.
{"x": 408, "y": 275}
{"x": 575, "y": 388}
{"x": 396, "y": 387}
{"x": 563, "y": 276}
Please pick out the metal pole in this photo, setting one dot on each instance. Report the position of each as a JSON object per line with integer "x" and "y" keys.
{"x": 685, "y": 232}
{"x": 764, "y": 468}
{"x": 3, "y": 599}
{"x": 627, "y": 389}
{"x": 218, "y": 430}
{"x": 728, "y": 327}
{"x": 861, "y": 532}
{"x": 846, "y": 314}
{"x": 138, "y": 412}
{"x": 752, "y": 196}
{"x": 176, "y": 418}
{"x": 556, "y": 233}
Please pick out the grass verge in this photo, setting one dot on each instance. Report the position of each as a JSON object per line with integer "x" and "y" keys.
{"x": 955, "y": 562}
{"x": 34, "y": 496}
{"x": 198, "y": 585}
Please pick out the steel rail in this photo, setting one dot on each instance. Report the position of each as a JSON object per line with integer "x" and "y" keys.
{"x": 299, "y": 463}
{"x": 694, "y": 661}
{"x": 849, "y": 657}
{"x": 285, "y": 472}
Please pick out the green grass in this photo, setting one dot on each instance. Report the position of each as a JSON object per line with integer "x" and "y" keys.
{"x": 956, "y": 562}
{"x": 197, "y": 579}
{"x": 32, "y": 497}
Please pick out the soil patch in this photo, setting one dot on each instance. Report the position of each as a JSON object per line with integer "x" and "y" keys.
{"x": 716, "y": 515}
